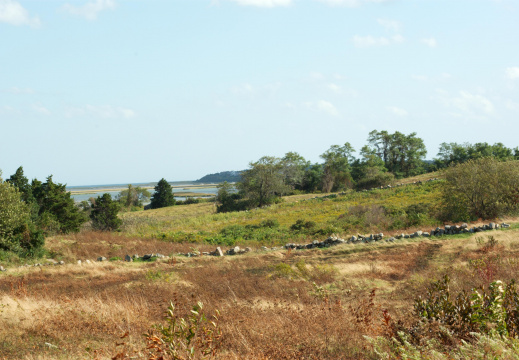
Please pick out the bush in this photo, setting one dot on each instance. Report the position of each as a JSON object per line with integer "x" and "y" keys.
{"x": 484, "y": 188}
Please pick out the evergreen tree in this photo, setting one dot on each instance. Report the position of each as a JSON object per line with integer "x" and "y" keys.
{"x": 57, "y": 211}
{"x": 104, "y": 214}
{"x": 163, "y": 195}
{"x": 19, "y": 180}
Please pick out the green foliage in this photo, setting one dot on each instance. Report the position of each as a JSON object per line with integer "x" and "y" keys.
{"x": 483, "y": 188}
{"x": 305, "y": 227}
{"x": 104, "y": 214}
{"x": 293, "y": 169}
{"x": 133, "y": 197}
{"x": 402, "y": 155}
{"x": 336, "y": 168}
{"x": 56, "y": 209}
{"x": 480, "y": 310}
{"x": 454, "y": 153}
{"x": 193, "y": 337}
{"x": 163, "y": 195}
{"x": 263, "y": 181}
{"x": 228, "y": 199}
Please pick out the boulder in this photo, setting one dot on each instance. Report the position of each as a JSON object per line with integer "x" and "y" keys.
{"x": 2, "y": 268}
{"x": 101, "y": 258}
{"x": 128, "y": 258}
{"x": 147, "y": 256}
{"x": 61, "y": 262}
{"x": 219, "y": 252}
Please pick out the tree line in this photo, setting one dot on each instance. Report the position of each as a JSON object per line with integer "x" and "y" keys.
{"x": 385, "y": 158}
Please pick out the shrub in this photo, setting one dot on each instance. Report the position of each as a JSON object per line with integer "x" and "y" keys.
{"x": 483, "y": 188}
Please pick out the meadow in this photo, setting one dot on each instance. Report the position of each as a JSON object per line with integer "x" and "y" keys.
{"x": 332, "y": 303}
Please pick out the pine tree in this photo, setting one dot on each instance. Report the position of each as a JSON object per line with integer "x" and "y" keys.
{"x": 163, "y": 195}
{"x": 104, "y": 213}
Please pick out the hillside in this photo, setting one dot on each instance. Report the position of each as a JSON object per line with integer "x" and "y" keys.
{"x": 217, "y": 178}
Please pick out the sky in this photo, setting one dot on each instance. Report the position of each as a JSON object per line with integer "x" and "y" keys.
{"x": 127, "y": 91}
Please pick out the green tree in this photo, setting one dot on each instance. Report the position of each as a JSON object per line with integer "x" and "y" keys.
{"x": 312, "y": 179}
{"x": 227, "y": 199}
{"x": 133, "y": 196}
{"x": 480, "y": 188}
{"x": 19, "y": 180}
{"x": 17, "y": 232}
{"x": 337, "y": 169}
{"x": 263, "y": 182}
{"x": 57, "y": 211}
{"x": 104, "y": 214}
{"x": 293, "y": 169}
{"x": 403, "y": 155}
{"x": 454, "y": 153}
{"x": 163, "y": 195}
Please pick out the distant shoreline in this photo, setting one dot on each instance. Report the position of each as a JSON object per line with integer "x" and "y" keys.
{"x": 119, "y": 189}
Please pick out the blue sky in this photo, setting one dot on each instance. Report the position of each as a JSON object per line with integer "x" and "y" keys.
{"x": 119, "y": 91}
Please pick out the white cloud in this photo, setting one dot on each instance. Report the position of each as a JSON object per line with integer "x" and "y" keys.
{"x": 264, "y": 3}
{"x": 324, "y": 106}
{"x": 243, "y": 89}
{"x": 368, "y": 41}
{"x": 420, "y": 77}
{"x": 91, "y": 9}
{"x": 13, "y": 13}
{"x": 335, "y": 88}
{"x": 17, "y": 90}
{"x": 390, "y": 25}
{"x": 41, "y": 109}
{"x": 512, "y": 72}
{"x": 472, "y": 104}
{"x": 351, "y": 3}
{"x": 105, "y": 112}
{"x": 431, "y": 42}
{"x": 397, "y": 111}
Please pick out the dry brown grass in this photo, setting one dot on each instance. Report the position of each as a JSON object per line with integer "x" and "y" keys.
{"x": 82, "y": 311}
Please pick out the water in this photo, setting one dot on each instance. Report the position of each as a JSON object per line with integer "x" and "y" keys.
{"x": 115, "y": 189}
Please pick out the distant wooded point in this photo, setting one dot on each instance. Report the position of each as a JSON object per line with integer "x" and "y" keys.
{"x": 229, "y": 176}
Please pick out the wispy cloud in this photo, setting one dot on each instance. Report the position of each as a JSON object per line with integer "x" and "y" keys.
{"x": 370, "y": 41}
{"x": 467, "y": 103}
{"x": 512, "y": 73}
{"x": 390, "y": 25}
{"x": 264, "y": 3}
{"x": 431, "y": 42}
{"x": 324, "y": 106}
{"x": 11, "y": 12}
{"x": 397, "y": 111}
{"x": 41, "y": 109}
{"x": 17, "y": 90}
{"x": 105, "y": 112}
{"x": 91, "y": 9}
{"x": 351, "y": 3}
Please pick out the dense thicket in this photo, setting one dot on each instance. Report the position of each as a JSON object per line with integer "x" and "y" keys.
{"x": 104, "y": 213}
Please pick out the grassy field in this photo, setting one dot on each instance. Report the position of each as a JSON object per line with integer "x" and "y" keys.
{"x": 277, "y": 304}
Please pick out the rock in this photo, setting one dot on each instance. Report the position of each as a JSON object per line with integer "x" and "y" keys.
{"x": 128, "y": 258}
{"x": 147, "y": 256}
{"x": 406, "y": 236}
{"x": 101, "y": 258}
{"x": 2, "y": 268}
{"x": 353, "y": 239}
{"x": 248, "y": 249}
{"x": 426, "y": 234}
{"x": 135, "y": 257}
{"x": 61, "y": 262}
{"x": 418, "y": 233}
{"x": 264, "y": 248}
{"x": 391, "y": 239}
{"x": 51, "y": 261}
{"x": 464, "y": 226}
{"x": 88, "y": 261}
{"x": 219, "y": 252}
{"x": 504, "y": 225}
{"x": 79, "y": 262}
{"x": 160, "y": 256}
{"x": 447, "y": 227}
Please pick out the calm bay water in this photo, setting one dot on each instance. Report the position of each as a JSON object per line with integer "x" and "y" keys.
{"x": 115, "y": 189}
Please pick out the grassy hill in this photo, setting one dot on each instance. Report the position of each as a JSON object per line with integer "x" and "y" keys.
{"x": 316, "y": 304}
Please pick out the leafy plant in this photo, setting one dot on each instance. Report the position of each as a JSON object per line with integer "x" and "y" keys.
{"x": 193, "y": 337}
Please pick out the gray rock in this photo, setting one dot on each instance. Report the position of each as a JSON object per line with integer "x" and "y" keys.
{"x": 160, "y": 256}
{"x": 353, "y": 239}
{"x": 464, "y": 226}
{"x": 88, "y": 261}
{"x": 426, "y": 234}
{"x": 136, "y": 257}
{"x": 504, "y": 225}
{"x": 406, "y": 236}
{"x": 128, "y": 258}
{"x": 248, "y": 249}
{"x": 418, "y": 233}
{"x": 391, "y": 239}
{"x": 61, "y": 262}
{"x": 79, "y": 262}
{"x": 264, "y": 248}
{"x": 101, "y": 258}
{"x": 2, "y": 268}
{"x": 147, "y": 256}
